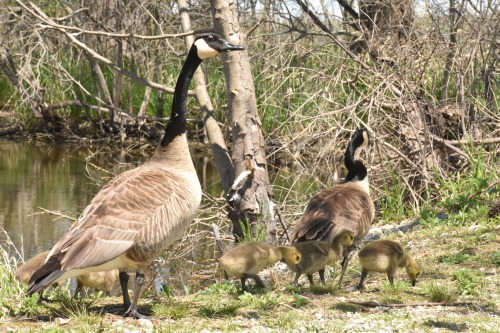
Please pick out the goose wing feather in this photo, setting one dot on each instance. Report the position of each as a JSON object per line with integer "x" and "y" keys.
{"x": 335, "y": 209}
{"x": 116, "y": 217}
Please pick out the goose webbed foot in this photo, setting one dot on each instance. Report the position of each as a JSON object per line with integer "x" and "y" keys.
{"x": 133, "y": 313}
{"x": 132, "y": 309}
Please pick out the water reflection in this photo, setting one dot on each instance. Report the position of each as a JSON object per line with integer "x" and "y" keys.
{"x": 62, "y": 178}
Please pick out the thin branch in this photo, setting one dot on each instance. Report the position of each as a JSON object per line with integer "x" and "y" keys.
{"x": 51, "y": 24}
{"x": 375, "y": 304}
{"x": 46, "y": 211}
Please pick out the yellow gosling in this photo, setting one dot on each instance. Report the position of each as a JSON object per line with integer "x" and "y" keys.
{"x": 246, "y": 260}
{"x": 317, "y": 254}
{"x": 26, "y": 270}
{"x": 104, "y": 281}
{"x": 386, "y": 256}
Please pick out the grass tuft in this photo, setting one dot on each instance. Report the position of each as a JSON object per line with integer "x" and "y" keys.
{"x": 440, "y": 293}
{"x": 219, "y": 308}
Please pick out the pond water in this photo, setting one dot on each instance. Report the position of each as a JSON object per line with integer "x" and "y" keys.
{"x": 37, "y": 179}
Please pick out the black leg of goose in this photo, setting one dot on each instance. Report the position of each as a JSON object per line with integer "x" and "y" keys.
{"x": 345, "y": 262}
{"x": 391, "y": 280}
{"x": 322, "y": 276}
{"x": 256, "y": 278}
{"x": 296, "y": 280}
{"x": 132, "y": 310}
{"x": 243, "y": 287}
{"x": 78, "y": 289}
{"x": 124, "y": 284}
{"x": 310, "y": 278}
{"x": 364, "y": 273}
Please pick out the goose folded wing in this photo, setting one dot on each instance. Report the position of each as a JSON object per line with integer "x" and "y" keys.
{"x": 112, "y": 222}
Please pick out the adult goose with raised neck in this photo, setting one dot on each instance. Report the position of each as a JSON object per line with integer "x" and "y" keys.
{"x": 346, "y": 206}
{"x": 139, "y": 213}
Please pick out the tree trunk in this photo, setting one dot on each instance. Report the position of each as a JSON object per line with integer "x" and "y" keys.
{"x": 251, "y": 196}
{"x": 214, "y": 133}
{"x": 390, "y": 20}
{"x": 452, "y": 47}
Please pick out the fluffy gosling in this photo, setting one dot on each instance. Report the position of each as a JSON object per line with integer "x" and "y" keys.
{"x": 26, "y": 270}
{"x": 386, "y": 256}
{"x": 317, "y": 254}
{"x": 104, "y": 281}
{"x": 246, "y": 260}
{"x": 98, "y": 280}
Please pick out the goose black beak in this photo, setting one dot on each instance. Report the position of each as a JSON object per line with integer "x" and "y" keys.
{"x": 231, "y": 47}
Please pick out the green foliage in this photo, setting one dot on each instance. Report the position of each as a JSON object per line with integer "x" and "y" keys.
{"x": 440, "y": 293}
{"x": 166, "y": 290}
{"x": 13, "y": 298}
{"x": 393, "y": 293}
{"x": 172, "y": 309}
{"x": 253, "y": 232}
{"x": 469, "y": 281}
{"x": 219, "y": 308}
{"x": 457, "y": 258}
{"x": 262, "y": 302}
{"x": 319, "y": 289}
{"x": 461, "y": 197}
{"x": 70, "y": 307}
{"x": 394, "y": 205}
{"x": 494, "y": 258}
{"x": 299, "y": 300}
{"x": 227, "y": 288}
{"x": 429, "y": 218}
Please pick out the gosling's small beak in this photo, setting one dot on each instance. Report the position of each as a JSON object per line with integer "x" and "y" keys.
{"x": 231, "y": 47}
{"x": 413, "y": 283}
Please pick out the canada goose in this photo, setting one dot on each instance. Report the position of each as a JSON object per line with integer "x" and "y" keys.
{"x": 139, "y": 213}
{"x": 386, "y": 256}
{"x": 246, "y": 260}
{"x": 317, "y": 254}
{"x": 345, "y": 206}
{"x": 98, "y": 280}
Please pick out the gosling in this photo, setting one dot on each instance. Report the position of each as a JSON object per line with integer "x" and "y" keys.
{"x": 248, "y": 259}
{"x": 103, "y": 281}
{"x": 386, "y": 256}
{"x": 317, "y": 254}
{"x": 26, "y": 270}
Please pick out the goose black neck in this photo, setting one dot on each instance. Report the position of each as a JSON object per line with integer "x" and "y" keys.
{"x": 177, "y": 123}
{"x": 357, "y": 170}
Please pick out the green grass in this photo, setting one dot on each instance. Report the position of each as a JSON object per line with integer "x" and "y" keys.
{"x": 469, "y": 281}
{"x": 13, "y": 299}
{"x": 440, "y": 293}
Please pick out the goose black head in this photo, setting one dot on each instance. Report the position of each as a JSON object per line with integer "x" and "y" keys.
{"x": 356, "y": 169}
{"x": 209, "y": 45}
{"x": 360, "y": 138}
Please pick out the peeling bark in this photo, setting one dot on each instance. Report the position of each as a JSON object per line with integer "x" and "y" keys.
{"x": 252, "y": 201}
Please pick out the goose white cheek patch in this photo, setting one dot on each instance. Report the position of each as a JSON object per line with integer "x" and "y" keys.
{"x": 365, "y": 139}
{"x": 204, "y": 50}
